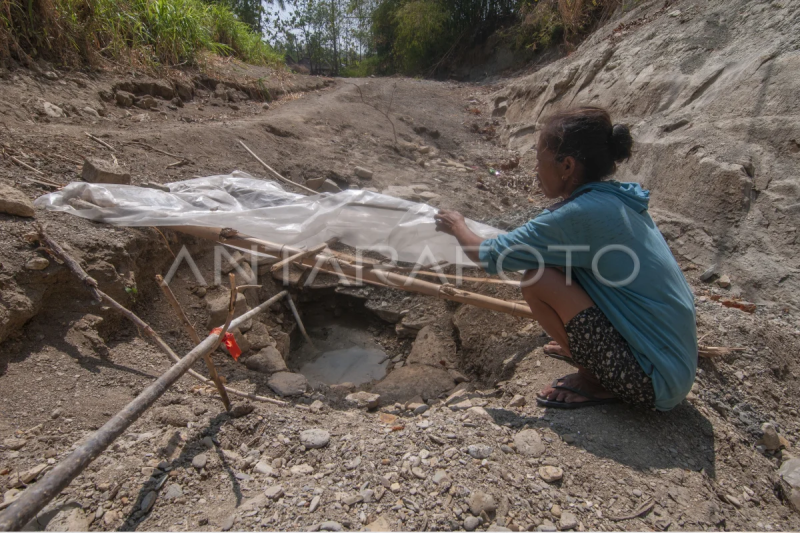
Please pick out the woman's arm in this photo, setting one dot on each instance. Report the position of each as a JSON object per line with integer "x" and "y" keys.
{"x": 452, "y": 223}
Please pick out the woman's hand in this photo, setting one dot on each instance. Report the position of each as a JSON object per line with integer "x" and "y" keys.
{"x": 449, "y": 221}
{"x": 453, "y": 223}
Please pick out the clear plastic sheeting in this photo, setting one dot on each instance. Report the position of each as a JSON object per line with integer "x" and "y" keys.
{"x": 263, "y": 209}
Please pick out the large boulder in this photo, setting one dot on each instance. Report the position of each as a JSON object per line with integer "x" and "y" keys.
{"x": 403, "y": 384}
{"x": 432, "y": 348}
{"x": 288, "y": 383}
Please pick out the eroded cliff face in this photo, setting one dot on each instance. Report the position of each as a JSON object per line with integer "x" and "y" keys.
{"x": 711, "y": 90}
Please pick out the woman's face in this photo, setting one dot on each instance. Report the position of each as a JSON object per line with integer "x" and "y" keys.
{"x": 548, "y": 172}
{"x": 557, "y": 179}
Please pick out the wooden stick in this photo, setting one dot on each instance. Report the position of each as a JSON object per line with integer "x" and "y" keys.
{"x": 26, "y": 165}
{"x": 711, "y": 352}
{"x": 95, "y": 139}
{"x": 59, "y": 253}
{"x": 299, "y": 322}
{"x": 157, "y": 150}
{"x": 302, "y": 255}
{"x": 36, "y": 497}
{"x": 212, "y": 370}
{"x": 285, "y": 180}
{"x": 231, "y": 310}
{"x": 66, "y": 159}
{"x": 391, "y": 279}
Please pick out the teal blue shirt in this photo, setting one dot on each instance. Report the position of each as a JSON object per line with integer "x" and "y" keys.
{"x": 653, "y": 310}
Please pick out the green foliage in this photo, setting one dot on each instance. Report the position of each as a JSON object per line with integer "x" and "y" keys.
{"x": 156, "y": 31}
{"x": 362, "y": 69}
{"x": 420, "y": 34}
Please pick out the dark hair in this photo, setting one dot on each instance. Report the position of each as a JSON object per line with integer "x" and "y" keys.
{"x": 587, "y": 134}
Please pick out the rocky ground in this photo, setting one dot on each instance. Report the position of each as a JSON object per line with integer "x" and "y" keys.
{"x": 456, "y": 441}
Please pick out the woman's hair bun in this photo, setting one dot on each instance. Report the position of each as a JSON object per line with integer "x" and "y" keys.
{"x": 621, "y": 142}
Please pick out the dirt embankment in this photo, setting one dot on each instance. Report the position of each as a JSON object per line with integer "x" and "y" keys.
{"x": 488, "y": 458}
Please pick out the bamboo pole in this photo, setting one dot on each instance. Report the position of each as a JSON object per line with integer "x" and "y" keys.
{"x": 391, "y": 279}
{"x": 212, "y": 370}
{"x": 37, "y": 496}
{"x": 299, "y": 322}
{"x": 303, "y": 254}
{"x": 285, "y": 180}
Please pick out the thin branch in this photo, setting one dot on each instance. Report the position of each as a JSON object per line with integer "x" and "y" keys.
{"x": 95, "y": 139}
{"x": 379, "y": 110}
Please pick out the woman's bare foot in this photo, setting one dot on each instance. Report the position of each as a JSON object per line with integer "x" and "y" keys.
{"x": 553, "y": 348}
{"x": 580, "y": 381}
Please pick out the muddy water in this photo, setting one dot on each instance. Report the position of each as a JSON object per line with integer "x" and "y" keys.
{"x": 344, "y": 353}
{"x": 353, "y": 364}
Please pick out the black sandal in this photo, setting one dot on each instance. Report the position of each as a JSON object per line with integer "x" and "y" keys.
{"x": 556, "y": 404}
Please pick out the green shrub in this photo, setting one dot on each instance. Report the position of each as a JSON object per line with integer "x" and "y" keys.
{"x": 165, "y": 32}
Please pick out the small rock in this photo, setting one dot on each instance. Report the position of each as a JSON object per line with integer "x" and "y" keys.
{"x": 569, "y": 438}
{"x": 330, "y": 526}
{"x": 354, "y": 499}
{"x": 567, "y": 521}
{"x": 52, "y": 111}
{"x": 37, "y": 263}
{"x": 770, "y": 440}
{"x": 99, "y": 171}
{"x": 242, "y": 409}
{"x": 363, "y": 173}
{"x": 31, "y": 475}
{"x": 550, "y": 474}
{"x": 263, "y": 468}
{"x": 555, "y": 510}
{"x": 363, "y": 399}
{"x": 479, "y": 451}
{"x": 14, "y": 202}
{"x": 418, "y": 472}
{"x": 288, "y": 383}
{"x": 315, "y": 438}
{"x": 56, "y": 413}
{"x": 480, "y": 502}
{"x": 92, "y": 112}
{"x": 301, "y": 470}
{"x": 547, "y": 525}
{"x": 528, "y": 442}
{"x": 124, "y": 99}
{"x": 317, "y": 406}
{"x": 227, "y": 524}
{"x": 265, "y": 105}
{"x": 199, "y": 461}
{"x": 146, "y": 102}
{"x": 442, "y": 479}
{"x": 724, "y": 281}
{"x": 14, "y": 444}
{"x": 274, "y": 492}
{"x": 517, "y": 401}
{"x": 174, "y": 492}
{"x": 352, "y": 465}
{"x": 314, "y": 504}
{"x": 148, "y": 501}
{"x": 379, "y": 524}
{"x": 471, "y": 523}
